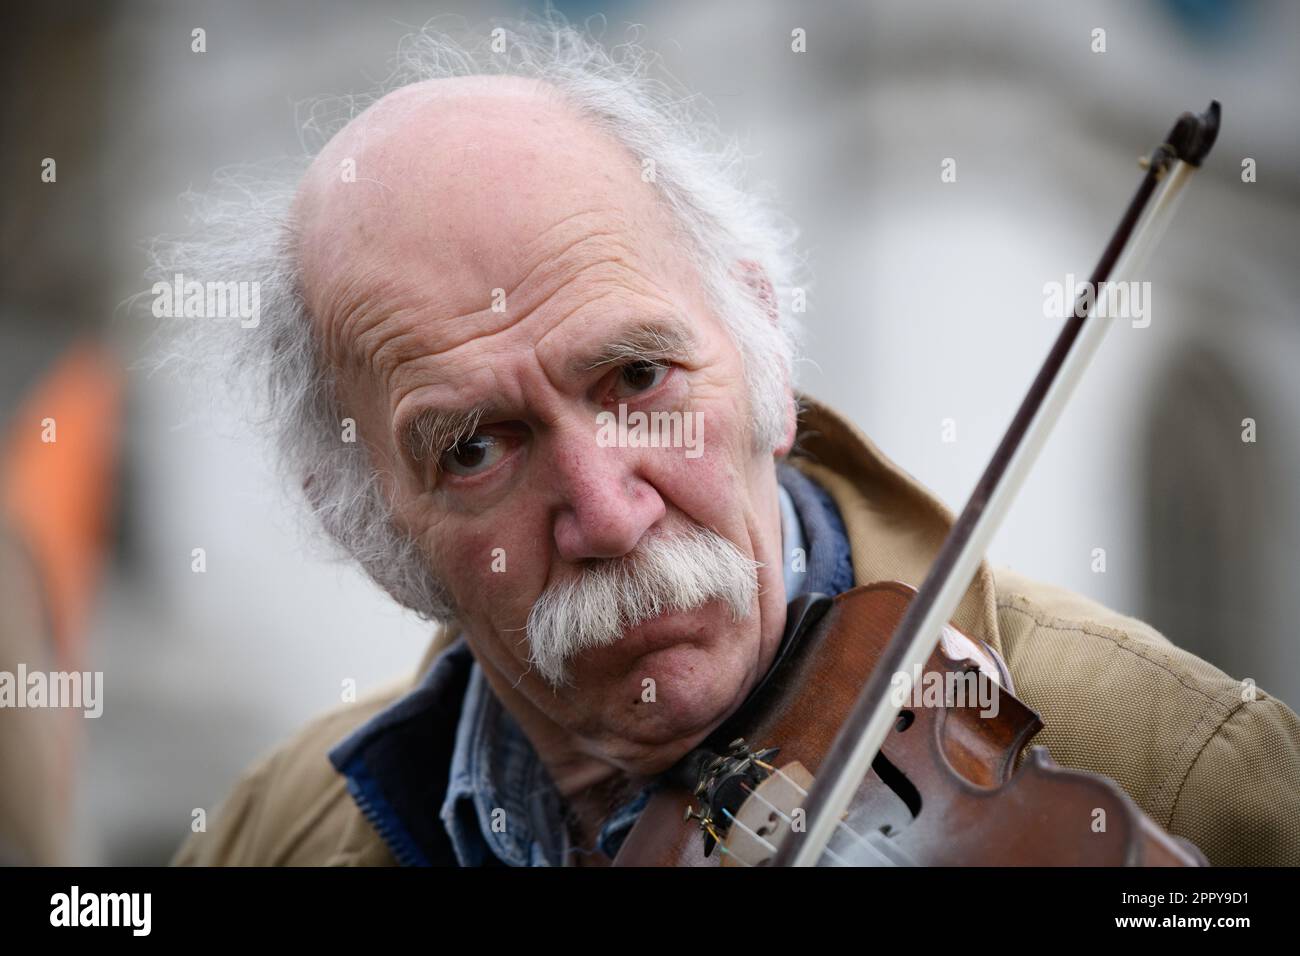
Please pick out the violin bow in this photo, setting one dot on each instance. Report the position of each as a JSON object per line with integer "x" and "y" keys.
{"x": 863, "y": 733}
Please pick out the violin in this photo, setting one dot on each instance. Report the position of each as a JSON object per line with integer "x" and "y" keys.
{"x": 881, "y": 734}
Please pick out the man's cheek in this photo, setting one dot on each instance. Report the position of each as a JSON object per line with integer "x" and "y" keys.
{"x": 494, "y": 573}
{"x": 704, "y": 474}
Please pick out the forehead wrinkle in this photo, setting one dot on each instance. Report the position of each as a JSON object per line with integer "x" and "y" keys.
{"x": 485, "y": 338}
{"x": 368, "y": 314}
{"x": 420, "y": 356}
{"x": 395, "y": 349}
{"x": 364, "y": 313}
{"x": 568, "y": 264}
{"x": 536, "y": 251}
{"x": 416, "y": 373}
{"x": 611, "y": 235}
{"x": 661, "y": 335}
{"x": 589, "y": 301}
{"x": 664, "y": 314}
{"x": 353, "y": 307}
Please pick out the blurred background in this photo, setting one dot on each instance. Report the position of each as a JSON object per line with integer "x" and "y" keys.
{"x": 926, "y": 313}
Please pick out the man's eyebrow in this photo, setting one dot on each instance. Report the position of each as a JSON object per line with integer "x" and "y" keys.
{"x": 435, "y": 430}
{"x": 647, "y": 342}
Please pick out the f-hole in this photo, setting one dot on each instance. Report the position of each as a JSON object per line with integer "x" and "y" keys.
{"x": 897, "y": 781}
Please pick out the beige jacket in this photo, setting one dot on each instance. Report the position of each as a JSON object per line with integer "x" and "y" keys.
{"x": 1204, "y": 759}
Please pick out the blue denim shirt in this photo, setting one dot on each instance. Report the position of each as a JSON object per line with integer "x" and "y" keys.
{"x": 500, "y": 799}
{"x": 498, "y": 805}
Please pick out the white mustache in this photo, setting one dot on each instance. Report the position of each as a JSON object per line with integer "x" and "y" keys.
{"x": 677, "y": 572}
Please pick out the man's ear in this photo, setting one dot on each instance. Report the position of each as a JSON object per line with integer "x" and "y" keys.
{"x": 791, "y": 426}
{"x": 754, "y": 276}
{"x": 760, "y": 287}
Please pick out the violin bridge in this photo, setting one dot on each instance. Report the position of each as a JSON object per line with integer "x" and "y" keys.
{"x": 767, "y": 816}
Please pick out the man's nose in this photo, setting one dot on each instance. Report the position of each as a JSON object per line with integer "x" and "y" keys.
{"x": 607, "y": 506}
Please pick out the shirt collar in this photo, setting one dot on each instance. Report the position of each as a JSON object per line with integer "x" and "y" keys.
{"x": 895, "y": 524}
{"x": 794, "y": 553}
{"x": 499, "y": 797}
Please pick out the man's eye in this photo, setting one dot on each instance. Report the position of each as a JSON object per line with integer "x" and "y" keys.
{"x": 637, "y": 377}
{"x": 472, "y": 456}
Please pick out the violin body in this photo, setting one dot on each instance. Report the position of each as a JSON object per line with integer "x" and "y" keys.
{"x": 952, "y": 785}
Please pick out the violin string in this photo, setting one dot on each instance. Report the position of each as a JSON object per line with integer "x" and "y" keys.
{"x": 732, "y": 817}
{"x": 910, "y": 861}
{"x": 858, "y": 837}
{"x": 788, "y": 820}
{"x": 885, "y": 858}
{"x": 777, "y": 810}
{"x": 740, "y": 860}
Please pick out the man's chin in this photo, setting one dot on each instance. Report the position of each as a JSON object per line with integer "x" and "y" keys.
{"x": 664, "y": 700}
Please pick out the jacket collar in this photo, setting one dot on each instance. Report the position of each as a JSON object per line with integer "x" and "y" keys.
{"x": 895, "y": 524}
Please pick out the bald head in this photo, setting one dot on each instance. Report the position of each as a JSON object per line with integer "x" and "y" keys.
{"x": 453, "y": 188}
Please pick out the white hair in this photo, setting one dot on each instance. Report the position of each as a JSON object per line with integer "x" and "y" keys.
{"x": 243, "y": 232}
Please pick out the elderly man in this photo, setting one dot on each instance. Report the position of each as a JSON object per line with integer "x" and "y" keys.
{"x": 482, "y": 274}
